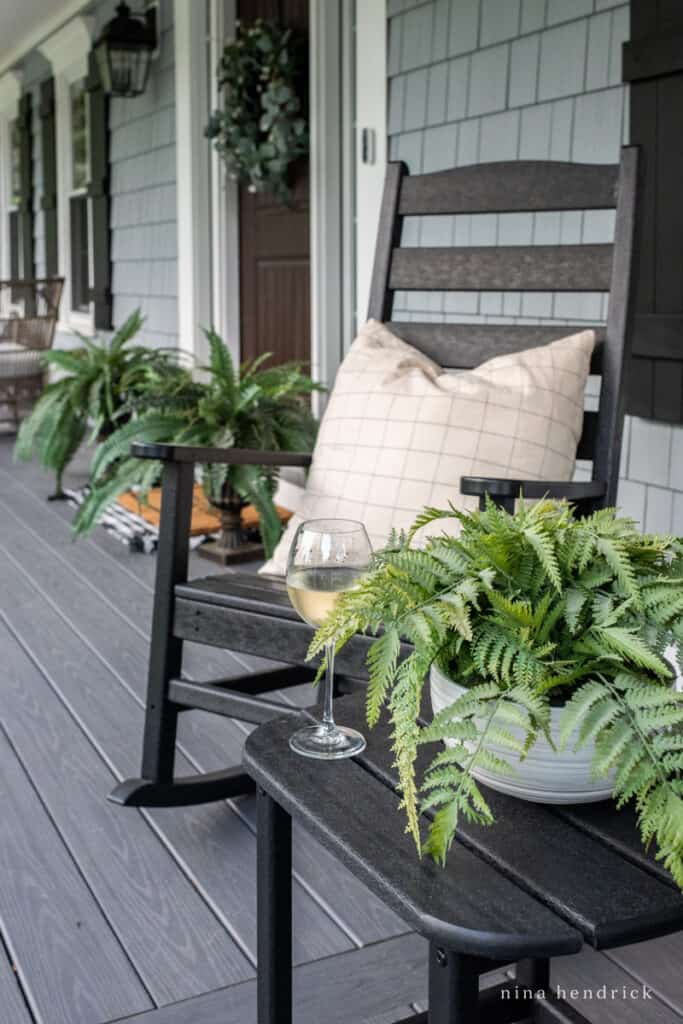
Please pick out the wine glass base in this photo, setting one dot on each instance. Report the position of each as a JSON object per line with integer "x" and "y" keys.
{"x": 327, "y": 744}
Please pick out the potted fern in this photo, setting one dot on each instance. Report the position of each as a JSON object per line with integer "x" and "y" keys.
{"x": 545, "y": 636}
{"x": 88, "y": 400}
{"x": 251, "y": 406}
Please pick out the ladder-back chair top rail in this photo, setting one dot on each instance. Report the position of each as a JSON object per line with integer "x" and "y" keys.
{"x": 513, "y": 187}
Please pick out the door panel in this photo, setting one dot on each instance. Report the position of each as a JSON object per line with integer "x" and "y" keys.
{"x": 275, "y": 242}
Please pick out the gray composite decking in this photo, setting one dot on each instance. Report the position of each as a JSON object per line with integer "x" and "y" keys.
{"x": 112, "y": 914}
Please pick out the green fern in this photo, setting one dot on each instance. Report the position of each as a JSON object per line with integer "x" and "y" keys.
{"x": 99, "y": 382}
{"x": 247, "y": 407}
{"x": 382, "y": 664}
{"x": 524, "y": 610}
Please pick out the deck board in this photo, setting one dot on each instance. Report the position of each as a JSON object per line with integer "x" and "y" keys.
{"x": 211, "y": 742}
{"x": 12, "y": 1001}
{"x": 656, "y": 963}
{"x": 83, "y": 612}
{"x": 590, "y": 970}
{"x": 100, "y": 557}
{"x": 70, "y": 963}
{"x": 173, "y": 939}
{"x": 112, "y": 715}
{"x": 83, "y": 563}
{"x": 356, "y": 986}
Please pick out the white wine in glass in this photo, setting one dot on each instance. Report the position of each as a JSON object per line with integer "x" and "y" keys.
{"x": 326, "y": 558}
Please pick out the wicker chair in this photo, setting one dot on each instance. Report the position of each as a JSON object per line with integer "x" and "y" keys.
{"x": 28, "y": 317}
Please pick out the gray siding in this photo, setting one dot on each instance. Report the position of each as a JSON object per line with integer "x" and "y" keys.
{"x": 143, "y": 199}
{"x": 143, "y": 210}
{"x": 478, "y": 80}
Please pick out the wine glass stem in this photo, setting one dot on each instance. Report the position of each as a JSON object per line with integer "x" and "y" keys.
{"x": 328, "y": 693}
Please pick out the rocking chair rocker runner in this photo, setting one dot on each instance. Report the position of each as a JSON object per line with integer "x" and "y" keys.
{"x": 253, "y": 614}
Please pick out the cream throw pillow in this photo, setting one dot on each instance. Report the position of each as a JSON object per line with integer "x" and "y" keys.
{"x": 399, "y": 432}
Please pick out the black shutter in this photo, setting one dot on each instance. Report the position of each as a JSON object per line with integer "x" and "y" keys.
{"x": 14, "y": 246}
{"x": 98, "y": 110}
{"x": 78, "y": 220}
{"x": 653, "y": 64}
{"x": 27, "y": 269}
{"x": 49, "y": 157}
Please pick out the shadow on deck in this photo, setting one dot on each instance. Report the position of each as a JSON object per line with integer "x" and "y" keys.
{"x": 111, "y": 914}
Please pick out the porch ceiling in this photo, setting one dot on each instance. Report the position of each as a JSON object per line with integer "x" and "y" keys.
{"x": 24, "y": 23}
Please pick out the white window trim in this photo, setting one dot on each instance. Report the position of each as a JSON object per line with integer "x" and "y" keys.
{"x": 67, "y": 51}
{"x": 332, "y": 191}
{"x": 10, "y": 91}
{"x": 371, "y": 116}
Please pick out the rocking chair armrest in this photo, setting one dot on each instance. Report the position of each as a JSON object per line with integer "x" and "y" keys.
{"x": 227, "y": 456}
{"x": 510, "y": 489}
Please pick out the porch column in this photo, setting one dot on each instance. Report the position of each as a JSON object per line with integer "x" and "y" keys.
{"x": 192, "y": 176}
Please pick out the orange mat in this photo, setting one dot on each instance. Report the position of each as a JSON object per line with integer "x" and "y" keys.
{"x": 205, "y": 519}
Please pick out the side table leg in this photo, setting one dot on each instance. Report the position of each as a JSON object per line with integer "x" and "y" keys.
{"x": 453, "y": 987}
{"x": 274, "y": 912}
{"x": 534, "y": 975}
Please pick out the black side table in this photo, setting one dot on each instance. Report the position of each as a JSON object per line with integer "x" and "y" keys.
{"x": 538, "y": 884}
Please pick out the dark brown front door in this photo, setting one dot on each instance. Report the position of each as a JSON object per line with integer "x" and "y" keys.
{"x": 274, "y": 241}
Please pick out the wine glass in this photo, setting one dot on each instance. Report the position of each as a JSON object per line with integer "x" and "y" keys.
{"x": 326, "y": 558}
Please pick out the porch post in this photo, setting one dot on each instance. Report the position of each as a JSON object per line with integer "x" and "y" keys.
{"x": 192, "y": 175}
{"x": 371, "y": 138}
{"x": 327, "y": 198}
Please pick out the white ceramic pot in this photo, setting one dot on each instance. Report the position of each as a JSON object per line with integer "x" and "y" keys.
{"x": 545, "y": 776}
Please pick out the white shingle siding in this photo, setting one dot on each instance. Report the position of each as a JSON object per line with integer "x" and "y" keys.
{"x": 527, "y": 79}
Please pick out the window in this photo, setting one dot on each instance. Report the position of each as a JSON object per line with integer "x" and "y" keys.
{"x": 67, "y": 51}
{"x": 10, "y": 156}
{"x": 80, "y": 233}
{"x": 82, "y": 193}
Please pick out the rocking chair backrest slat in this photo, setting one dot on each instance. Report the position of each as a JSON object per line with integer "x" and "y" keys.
{"x": 531, "y": 186}
{"x": 467, "y": 345}
{"x": 515, "y": 268}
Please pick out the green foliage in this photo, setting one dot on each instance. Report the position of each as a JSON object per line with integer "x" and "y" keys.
{"x": 528, "y": 610}
{"x": 261, "y": 128}
{"x": 253, "y": 406}
{"x": 98, "y": 380}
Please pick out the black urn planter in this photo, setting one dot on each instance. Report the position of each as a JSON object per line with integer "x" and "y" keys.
{"x": 232, "y": 544}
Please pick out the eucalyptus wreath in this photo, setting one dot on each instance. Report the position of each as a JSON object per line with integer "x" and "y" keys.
{"x": 261, "y": 128}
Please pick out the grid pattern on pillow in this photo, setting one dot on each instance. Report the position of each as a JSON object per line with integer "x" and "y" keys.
{"x": 398, "y": 432}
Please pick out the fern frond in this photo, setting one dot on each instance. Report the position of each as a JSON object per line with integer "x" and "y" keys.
{"x": 628, "y": 644}
{"x": 429, "y": 516}
{"x": 577, "y": 707}
{"x": 545, "y": 552}
{"x": 382, "y": 662}
{"x": 615, "y": 554}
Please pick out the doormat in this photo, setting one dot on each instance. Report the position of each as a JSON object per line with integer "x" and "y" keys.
{"x": 136, "y": 523}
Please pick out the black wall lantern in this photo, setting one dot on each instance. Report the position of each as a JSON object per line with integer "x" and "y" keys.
{"x": 124, "y": 51}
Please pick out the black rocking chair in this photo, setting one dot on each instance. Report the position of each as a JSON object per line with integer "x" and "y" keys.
{"x": 253, "y": 614}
